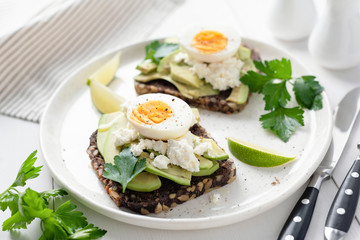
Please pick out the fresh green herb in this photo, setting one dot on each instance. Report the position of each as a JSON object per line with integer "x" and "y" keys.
{"x": 125, "y": 169}
{"x": 156, "y": 50}
{"x": 272, "y": 81}
{"x": 61, "y": 223}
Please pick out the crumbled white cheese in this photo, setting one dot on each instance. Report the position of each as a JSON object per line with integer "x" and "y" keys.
{"x": 161, "y": 162}
{"x": 182, "y": 154}
{"x": 221, "y": 75}
{"x": 181, "y": 57}
{"x": 202, "y": 148}
{"x": 215, "y": 198}
{"x": 124, "y": 135}
{"x": 158, "y": 146}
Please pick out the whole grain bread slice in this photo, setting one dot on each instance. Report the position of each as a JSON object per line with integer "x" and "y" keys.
{"x": 216, "y": 103}
{"x": 170, "y": 193}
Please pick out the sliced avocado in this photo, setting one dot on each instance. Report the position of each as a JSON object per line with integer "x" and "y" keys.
{"x": 144, "y": 182}
{"x": 204, "y": 163}
{"x": 183, "y": 74}
{"x": 164, "y": 64}
{"x": 146, "y": 67}
{"x": 186, "y": 90}
{"x": 196, "y": 114}
{"x": 215, "y": 152}
{"x": 239, "y": 95}
{"x": 243, "y": 53}
{"x": 111, "y": 122}
{"x": 105, "y": 139}
{"x": 206, "y": 172}
{"x": 174, "y": 173}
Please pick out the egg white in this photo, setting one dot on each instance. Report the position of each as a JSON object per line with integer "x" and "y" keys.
{"x": 176, "y": 126}
{"x": 233, "y": 44}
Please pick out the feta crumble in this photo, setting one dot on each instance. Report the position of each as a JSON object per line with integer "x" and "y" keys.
{"x": 221, "y": 75}
{"x": 181, "y": 153}
{"x": 158, "y": 146}
{"x": 161, "y": 162}
{"x": 124, "y": 135}
{"x": 181, "y": 57}
{"x": 202, "y": 148}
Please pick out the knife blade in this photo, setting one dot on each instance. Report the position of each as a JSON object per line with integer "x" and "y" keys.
{"x": 345, "y": 114}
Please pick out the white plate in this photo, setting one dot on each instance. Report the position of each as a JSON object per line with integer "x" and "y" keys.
{"x": 70, "y": 118}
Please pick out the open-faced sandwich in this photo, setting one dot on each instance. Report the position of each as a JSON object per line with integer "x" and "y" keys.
{"x": 202, "y": 67}
{"x": 155, "y": 155}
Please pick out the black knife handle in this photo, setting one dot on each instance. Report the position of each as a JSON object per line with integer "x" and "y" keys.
{"x": 299, "y": 220}
{"x": 343, "y": 208}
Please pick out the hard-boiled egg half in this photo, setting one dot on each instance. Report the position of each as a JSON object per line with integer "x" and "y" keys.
{"x": 160, "y": 116}
{"x": 210, "y": 44}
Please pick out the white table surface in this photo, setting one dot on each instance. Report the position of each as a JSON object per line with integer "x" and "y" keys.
{"x": 19, "y": 138}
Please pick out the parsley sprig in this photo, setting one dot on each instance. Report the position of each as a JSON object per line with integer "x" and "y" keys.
{"x": 273, "y": 80}
{"x": 156, "y": 50}
{"x": 62, "y": 223}
{"x": 125, "y": 169}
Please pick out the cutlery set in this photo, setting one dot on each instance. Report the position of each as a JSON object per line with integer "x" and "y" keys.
{"x": 342, "y": 210}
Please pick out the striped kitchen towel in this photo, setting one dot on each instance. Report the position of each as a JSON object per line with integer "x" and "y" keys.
{"x": 35, "y": 59}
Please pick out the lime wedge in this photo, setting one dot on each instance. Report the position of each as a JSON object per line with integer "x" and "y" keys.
{"x": 105, "y": 99}
{"x": 256, "y": 155}
{"x": 107, "y": 72}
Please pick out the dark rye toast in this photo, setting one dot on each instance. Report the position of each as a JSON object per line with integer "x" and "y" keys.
{"x": 170, "y": 193}
{"x": 216, "y": 103}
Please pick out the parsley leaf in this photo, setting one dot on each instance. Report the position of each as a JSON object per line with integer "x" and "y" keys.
{"x": 63, "y": 223}
{"x": 283, "y": 121}
{"x": 27, "y": 171}
{"x": 125, "y": 169}
{"x": 255, "y": 81}
{"x": 46, "y": 195}
{"x": 275, "y": 95}
{"x": 156, "y": 50}
{"x": 88, "y": 232}
{"x": 9, "y": 199}
{"x": 70, "y": 220}
{"x": 33, "y": 205}
{"x": 308, "y": 92}
{"x": 271, "y": 80}
{"x": 16, "y": 221}
{"x": 52, "y": 229}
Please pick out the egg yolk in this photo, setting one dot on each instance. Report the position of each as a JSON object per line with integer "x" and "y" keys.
{"x": 209, "y": 41}
{"x": 151, "y": 112}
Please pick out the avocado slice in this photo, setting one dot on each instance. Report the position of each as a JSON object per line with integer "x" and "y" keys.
{"x": 111, "y": 122}
{"x": 173, "y": 172}
{"x": 164, "y": 64}
{"x": 239, "y": 95}
{"x": 204, "y": 163}
{"x": 105, "y": 138}
{"x": 183, "y": 74}
{"x": 243, "y": 53}
{"x": 215, "y": 152}
{"x": 186, "y": 90}
{"x": 146, "y": 67}
{"x": 144, "y": 182}
{"x": 206, "y": 172}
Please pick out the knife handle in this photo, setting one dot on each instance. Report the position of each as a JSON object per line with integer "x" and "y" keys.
{"x": 343, "y": 208}
{"x": 299, "y": 220}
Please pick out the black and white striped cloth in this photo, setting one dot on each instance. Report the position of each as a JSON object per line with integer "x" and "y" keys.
{"x": 35, "y": 59}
